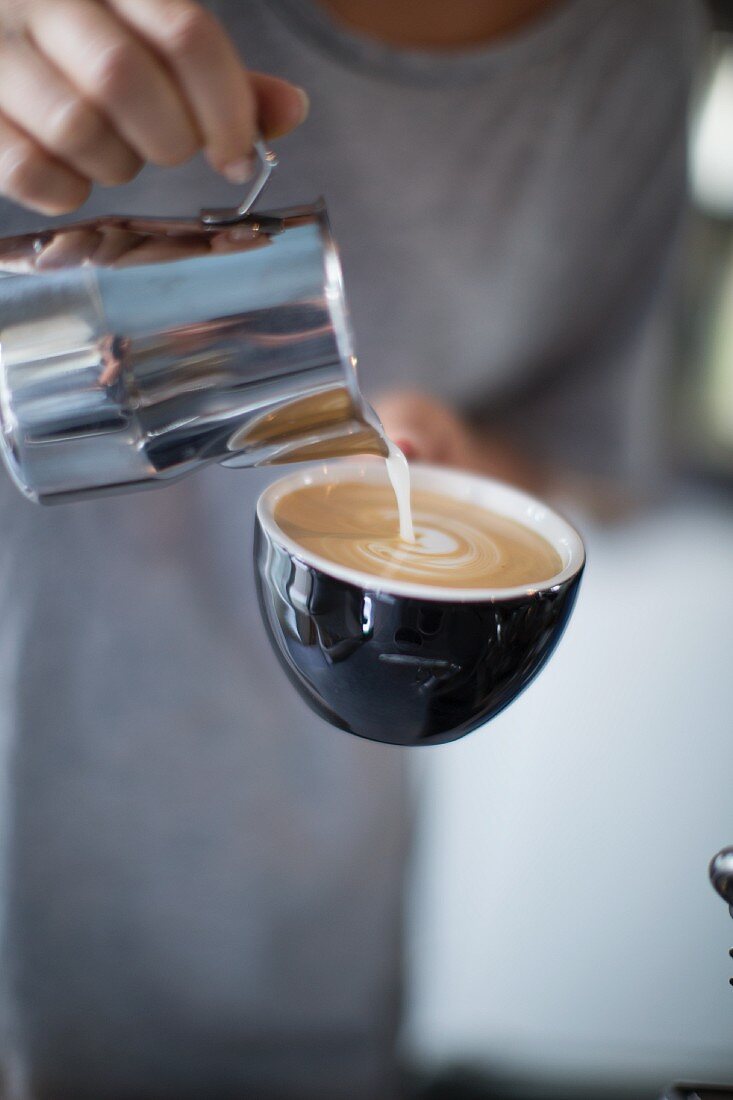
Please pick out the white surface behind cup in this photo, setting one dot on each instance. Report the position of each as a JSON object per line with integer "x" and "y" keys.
{"x": 563, "y": 928}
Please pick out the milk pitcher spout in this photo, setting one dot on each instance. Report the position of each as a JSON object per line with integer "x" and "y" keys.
{"x": 135, "y": 350}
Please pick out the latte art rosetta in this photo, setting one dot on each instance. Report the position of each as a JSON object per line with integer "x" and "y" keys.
{"x": 457, "y": 544}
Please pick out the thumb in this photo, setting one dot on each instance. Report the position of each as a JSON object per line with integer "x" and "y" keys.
{"x": 404, "y": 426}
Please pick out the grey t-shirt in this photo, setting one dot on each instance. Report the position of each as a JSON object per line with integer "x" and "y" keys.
{"x": 202, "y": 881}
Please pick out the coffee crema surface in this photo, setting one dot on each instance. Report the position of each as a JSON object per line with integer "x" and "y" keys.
{"x": 457, "y": 544}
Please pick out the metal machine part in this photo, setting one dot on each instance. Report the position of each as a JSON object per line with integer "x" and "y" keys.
{"x": 721, "y": 876}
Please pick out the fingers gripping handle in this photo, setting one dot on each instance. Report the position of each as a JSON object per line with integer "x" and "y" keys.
{"x": 267, "y": 160}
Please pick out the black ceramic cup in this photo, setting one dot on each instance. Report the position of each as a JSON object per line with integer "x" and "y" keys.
{"x": 409, "y": 664}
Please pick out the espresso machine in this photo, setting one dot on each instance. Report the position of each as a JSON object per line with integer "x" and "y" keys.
{"x": 721, "y": 877}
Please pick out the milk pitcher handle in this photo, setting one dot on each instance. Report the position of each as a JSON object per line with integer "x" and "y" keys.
{"x": 235, "y": 214}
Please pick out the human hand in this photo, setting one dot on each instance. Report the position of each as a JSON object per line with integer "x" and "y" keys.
{"x": 90, "y": 90}
{"x": 427, "y": 430}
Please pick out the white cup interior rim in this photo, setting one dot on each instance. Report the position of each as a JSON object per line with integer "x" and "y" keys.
{"x": 482, "y": 491}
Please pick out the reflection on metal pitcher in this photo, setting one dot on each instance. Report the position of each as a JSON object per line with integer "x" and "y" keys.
{"x": 135, "y": 350}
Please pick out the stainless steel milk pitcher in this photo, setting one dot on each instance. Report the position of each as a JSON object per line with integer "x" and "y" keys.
{"x": 135, "y": 350}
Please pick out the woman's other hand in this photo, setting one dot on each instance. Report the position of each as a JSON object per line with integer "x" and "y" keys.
{"x": 91, "y": 90}
{"x": 427, "y": 430}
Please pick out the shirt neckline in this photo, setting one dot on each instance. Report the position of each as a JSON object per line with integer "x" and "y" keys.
{"x": 542, "y": 36}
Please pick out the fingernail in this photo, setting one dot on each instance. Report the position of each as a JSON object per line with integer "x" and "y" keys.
{"x": 236, "y": 236}
{"x": 239, "y": 171}
{"x": 305, "y": 103}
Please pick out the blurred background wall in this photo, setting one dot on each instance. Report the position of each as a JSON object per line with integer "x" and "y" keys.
{"x": 564, "y": 935}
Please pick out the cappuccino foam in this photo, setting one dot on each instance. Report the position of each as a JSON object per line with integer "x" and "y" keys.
{"x": 456, "y": 545}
